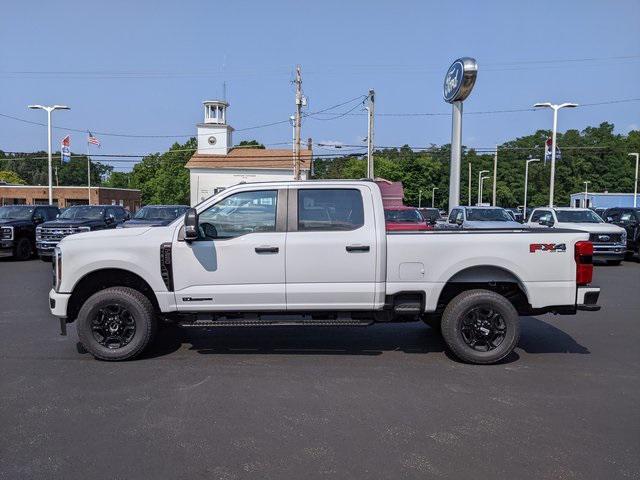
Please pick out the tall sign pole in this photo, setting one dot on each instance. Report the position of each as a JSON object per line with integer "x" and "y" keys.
{"x": 297, "y": 124}
{"x": 495, "y": 175}
{"x": 458, "y": 83}
{"x": 370, "y": 107}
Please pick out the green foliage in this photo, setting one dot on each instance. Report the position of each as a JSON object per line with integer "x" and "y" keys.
{"x": 163, "y": 178}
{"x": 607, "y": 167}
{"x": 251, "y": 143}
{"x": 118, "y": 180}
{"x": 11, "y": 177}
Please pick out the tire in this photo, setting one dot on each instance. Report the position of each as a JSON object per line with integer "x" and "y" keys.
{"x": 23, "y": 249}
{"x": 614, "y": 263}
{"x": 470, "y": 308}
{"x": 139, "y": 316}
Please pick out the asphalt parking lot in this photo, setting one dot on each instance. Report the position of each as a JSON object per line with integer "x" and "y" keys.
{"x": 377, "y": 402}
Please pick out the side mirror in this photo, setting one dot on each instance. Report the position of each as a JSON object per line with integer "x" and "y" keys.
{"x": 459, "y": 221}
{"x": 609, "y": 219}
{"x": 191, "y": 225}
{"x": 546, "y": 223}
{"x": 127, "y": 216}
{"x": 38, "y": 218}
{"x": 110, "y": 218}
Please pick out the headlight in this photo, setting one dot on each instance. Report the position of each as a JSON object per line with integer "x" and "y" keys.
{"x": 623, "y": 237}
{"x": 38, "y": 233}
{"x": 57, "y": 268}
{"x": 7, "y": 233}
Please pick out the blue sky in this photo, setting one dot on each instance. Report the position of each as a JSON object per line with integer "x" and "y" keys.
{"x": 144, "y": 67}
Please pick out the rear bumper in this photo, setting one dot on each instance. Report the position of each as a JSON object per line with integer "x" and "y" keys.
{"x": 587, "y": 298}
{"x": 58, "y": 303}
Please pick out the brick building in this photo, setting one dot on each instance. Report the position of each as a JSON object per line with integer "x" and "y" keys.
{"x": 68, "y": 196}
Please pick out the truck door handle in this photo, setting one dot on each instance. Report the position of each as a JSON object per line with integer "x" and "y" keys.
{"x": 357, "y": 248}
{"x": 267, "y": 249}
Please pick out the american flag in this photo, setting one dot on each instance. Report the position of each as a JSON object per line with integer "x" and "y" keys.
{"x": 93, "y": 140}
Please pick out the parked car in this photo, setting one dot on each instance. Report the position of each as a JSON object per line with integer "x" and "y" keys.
{"x": 77, "y": 219}
{"x": 629, "y": 219}
{"x": 474, "y": 218}
{"x": 431, "y": 215}
{"x": 315, "y": 253}
{"x": 404, "y": 219}
{"x": 155, "y": 215}
{"x": 609, "y": 241}
{"x": 18, "y": 225}
{"x": 516, "y": 214}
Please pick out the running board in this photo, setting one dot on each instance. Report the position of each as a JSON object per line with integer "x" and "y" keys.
{"x": 257, "y": 321}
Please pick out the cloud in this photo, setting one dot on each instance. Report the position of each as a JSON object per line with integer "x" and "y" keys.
{"x": 633, "y": 126}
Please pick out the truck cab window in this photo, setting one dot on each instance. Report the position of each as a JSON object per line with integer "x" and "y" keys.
{"x": 239, "y": 214}
{"x": 330, "y": 209}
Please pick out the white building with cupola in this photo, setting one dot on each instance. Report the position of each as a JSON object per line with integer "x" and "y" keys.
{"x": 217, "y": 164}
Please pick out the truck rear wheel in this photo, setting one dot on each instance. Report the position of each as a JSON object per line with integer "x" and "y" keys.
{"x": 480, "y": 326}
{"x": 23, "y": 249}
{"x": 116, "y": 324}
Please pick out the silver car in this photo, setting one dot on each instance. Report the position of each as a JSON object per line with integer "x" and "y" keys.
{"x": 475, "y": 218}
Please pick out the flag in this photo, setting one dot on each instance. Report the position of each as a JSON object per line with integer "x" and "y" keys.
{"x": 547, "y": 151}
{"x": 93, "y": 140}
{"x": 65, "y": 149}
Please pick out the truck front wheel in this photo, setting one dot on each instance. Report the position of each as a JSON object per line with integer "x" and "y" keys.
{"x": 116, "y": 324}
{"x": 480, "y": 326}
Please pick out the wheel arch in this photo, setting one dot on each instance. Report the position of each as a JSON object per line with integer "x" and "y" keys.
{"x": 489, "y": 277}
{"x": 100, "y": 279}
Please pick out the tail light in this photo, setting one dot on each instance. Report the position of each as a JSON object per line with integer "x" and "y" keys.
{"x": 584, "y": 262}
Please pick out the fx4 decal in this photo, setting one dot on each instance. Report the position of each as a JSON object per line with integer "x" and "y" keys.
{"x": 547, "y": 247}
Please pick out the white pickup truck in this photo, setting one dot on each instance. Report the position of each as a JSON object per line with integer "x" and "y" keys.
{"x": 314, "y": 253}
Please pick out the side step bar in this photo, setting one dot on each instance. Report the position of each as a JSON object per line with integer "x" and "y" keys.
{"x": 273, "y": 321}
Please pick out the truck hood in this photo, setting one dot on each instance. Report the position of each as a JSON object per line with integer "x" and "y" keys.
{"x": 111, "y": 234}
{"x": 144, "y": 223}
{"x": 64, "y": 223}
{"x": 591, "y": 227}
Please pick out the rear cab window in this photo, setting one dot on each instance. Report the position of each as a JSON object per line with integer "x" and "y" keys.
{"x": 330, "y": 209}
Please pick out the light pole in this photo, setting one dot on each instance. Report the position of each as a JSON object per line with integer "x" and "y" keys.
{"x": 49, "y": 109}
{"x": 479, "y": 183}
{"x": 586, "y": 191}
{"x": 469, "y": 184}
{"x": 526, "y": 182}
{"x": 482, "y": 179}
{"x": 635, "y": 183}
{"x": 419, "y": 198}
{"x": 555, "y": 108}
{"x": 433, "y": 196}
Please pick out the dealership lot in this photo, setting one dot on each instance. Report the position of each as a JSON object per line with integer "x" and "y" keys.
{"x": 379, "y": 402}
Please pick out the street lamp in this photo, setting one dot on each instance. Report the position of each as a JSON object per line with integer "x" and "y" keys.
{"x": 433, "y": 196}
{"x": 555, "y": 108}
{"x": 586, "y": 191}
{"x": 635, "y": 183}
{"x": 419, "y": 198}
{"x": 526, "y": 182}
{"x": 479, "y": 189}
{"x": 49, "y": 109}
{"x": 481, "y": 182}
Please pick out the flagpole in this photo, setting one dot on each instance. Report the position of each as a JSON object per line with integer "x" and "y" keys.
{"x": 88, "y": 174}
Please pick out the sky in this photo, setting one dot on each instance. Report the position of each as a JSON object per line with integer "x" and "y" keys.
{"x": 143, "y": 68}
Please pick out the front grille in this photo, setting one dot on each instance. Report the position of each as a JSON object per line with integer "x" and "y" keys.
{"x": 50, "y": 234}
{"x": 605, "y": 237}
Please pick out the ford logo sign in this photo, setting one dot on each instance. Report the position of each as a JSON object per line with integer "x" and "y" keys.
{"x": 604, "y": 238}
{"x": 460, "y": 79}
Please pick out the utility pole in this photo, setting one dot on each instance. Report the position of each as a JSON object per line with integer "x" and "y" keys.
{"x": 480, "y": 173}
{"x": 297, "y": 125}
{"x": 370, "y": 110}
{"x": 635, "y": 181}
{"x": 495, "y": 175}
{"x": 433, "y": 196}
{"x": 586, "y": 193}
{"x": 469, "y": 183}
{"x": 419, "y": 198}
{"x": 526, "y": 183}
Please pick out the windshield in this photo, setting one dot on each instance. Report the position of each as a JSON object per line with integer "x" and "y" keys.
{"x": 84, "y": 213}
{"x": 409, "y": 215}
{"x": 578, "y": 216}
{"x": 430, "y": 214}
{"x": 18, "y": 213}
{"x": 488, "y": 215}
{"x": 159, "y": 213}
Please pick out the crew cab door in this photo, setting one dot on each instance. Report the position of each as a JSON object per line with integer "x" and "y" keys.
{"x": 238, "y": 261}
{"x": 331, "y": 249}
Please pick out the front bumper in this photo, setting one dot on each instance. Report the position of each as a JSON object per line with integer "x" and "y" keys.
{"x": 58, "y": 303}
{"x": 587, "y": 298}
{"x": 6, "y": 248}
{"x": 45, "y": 249}
{"x": 615, "y": 251}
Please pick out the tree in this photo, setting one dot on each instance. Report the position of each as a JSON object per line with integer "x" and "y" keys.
{"x": 11, "y": 177}
{"x": 251, "y": 143}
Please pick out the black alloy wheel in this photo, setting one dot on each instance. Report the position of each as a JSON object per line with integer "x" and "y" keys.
{"x": 113, "y": 326}
{"x": 483, "y": 329}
